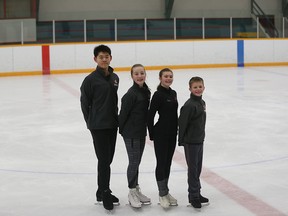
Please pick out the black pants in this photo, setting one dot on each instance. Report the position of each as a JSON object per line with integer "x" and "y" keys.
{"x": 135, "y": 148}
{"x": 164, "y": 150}
{"x": 104, "y": 144}
{"x": 194, "y": 158}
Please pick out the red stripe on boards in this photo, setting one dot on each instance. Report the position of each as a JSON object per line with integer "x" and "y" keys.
{"x": 45, "y": 60}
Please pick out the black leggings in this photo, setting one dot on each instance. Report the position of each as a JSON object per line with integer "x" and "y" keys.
{"x": 104, "y": 144}
{"x": 164, "y": 150}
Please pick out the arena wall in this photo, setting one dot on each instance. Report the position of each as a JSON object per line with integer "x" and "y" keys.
{"x": 78, "y": 57}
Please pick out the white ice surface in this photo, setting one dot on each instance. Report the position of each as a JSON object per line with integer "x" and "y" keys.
{"x": 48, "y": 164}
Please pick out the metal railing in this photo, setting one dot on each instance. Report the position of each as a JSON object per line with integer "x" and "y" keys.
{"x": 131, "y": 30}
{"x": 265, "y": 21}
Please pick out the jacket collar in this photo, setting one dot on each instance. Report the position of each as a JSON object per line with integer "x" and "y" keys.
{"x": 163, "y": 89}
{"x": 102, "y": 72}
{"x": 194, "y": 97}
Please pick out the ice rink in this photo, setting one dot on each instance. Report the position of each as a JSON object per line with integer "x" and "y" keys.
{"x": 48, "y": 164}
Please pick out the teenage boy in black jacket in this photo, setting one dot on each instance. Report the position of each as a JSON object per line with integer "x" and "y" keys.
{"x": 99, "y": 104}
{"x": 191, "y": 123}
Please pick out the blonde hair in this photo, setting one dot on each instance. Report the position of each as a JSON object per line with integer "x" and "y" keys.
{"x": 195, "y": 79}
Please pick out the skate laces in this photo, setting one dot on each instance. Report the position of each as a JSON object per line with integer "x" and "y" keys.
{"x": 164, "y": 201}
{"x": 134, "y": 196}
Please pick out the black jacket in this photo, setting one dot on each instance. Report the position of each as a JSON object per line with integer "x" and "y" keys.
{"x": 164, "y": 101}
{"x": 133, "y": 113}
{"x": 192, "y": 121}
{"x": 99, "y": 100}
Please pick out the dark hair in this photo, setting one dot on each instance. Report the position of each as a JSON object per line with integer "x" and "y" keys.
{"x": 101, "y": 48}
{"x": 195, "y": 79}
{"x": 161, "y": 73}
{"x": 136, "y": 65}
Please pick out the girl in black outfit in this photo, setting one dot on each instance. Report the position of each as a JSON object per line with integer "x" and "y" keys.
{"x": 133, "y": 128}
{"x": 164, "y": 132}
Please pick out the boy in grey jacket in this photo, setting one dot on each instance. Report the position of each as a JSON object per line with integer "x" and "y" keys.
{"x": 192, "y": 122}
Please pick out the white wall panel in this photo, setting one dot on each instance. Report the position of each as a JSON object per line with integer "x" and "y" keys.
{"x": 216, "y": 52}
{"x": 259, "y": 51}
{"x": 27, "y": 58}
{"x": 62, "y": 57}
{"x": 123, "y": 54}
{"x": 84, "y": 57}
{"x": 165, "y": 53}
{"x": 6, "y": 59}
{"x": 281, "y": 50}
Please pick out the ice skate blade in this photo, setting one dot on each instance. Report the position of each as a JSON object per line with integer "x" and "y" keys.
{"x": 101, "y": 203}
{"x": 202, "y": 205}
{"x": 205, "y": 204}
{"x": 164, "y": 207}
{"x": 174, "y": 205}
{"x": 171, "y": 205}
{"x": 134, "y": 207}
{"x": 146, "y": 203}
